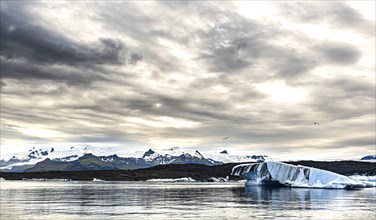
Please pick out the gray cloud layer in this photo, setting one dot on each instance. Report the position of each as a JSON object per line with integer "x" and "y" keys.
{"x": 34, "y": 52}
{"x": 189, "y": 80}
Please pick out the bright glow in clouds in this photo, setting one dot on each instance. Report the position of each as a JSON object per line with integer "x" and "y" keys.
{"x": 256, "y": 9}
{"x": 280, "y": 92}
{"x": 163, "y": 122}
{"x": 40, "y": 132}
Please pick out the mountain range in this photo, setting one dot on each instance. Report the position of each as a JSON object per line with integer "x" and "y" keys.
{"x": 86, "y": 157}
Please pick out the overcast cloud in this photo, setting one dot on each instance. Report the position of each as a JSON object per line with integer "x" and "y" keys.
{"x": 137, "y": 74}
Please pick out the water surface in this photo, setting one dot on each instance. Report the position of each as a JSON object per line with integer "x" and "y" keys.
{"x": 156, "y": 200}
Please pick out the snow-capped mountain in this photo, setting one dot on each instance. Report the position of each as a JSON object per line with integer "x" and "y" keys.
{"x": 121, "y": 160}
{"x": 55, "y": 152}
{"x": 114, "y": 162}
{"x": 369, "y": 158}
{"x": 222, "y": 156}
{"x": 23, "y": 160}
{"x": 226, "y": 157}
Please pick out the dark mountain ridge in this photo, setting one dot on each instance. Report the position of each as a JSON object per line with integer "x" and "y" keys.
{"x": 114, "y": 162}
{"x": 196, "y": 171}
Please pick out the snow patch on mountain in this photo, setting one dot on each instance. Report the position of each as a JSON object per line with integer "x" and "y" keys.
{"x": 55, "y": 152}
{"x": 228, "y": 157}
{"x": 35, "y": 155}
{"x": 25, "y": 160}
{"x": 371, "y": 158}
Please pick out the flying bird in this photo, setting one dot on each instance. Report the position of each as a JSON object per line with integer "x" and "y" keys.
{"x": 225, "y": 138}
{"x": 316, "y": 123}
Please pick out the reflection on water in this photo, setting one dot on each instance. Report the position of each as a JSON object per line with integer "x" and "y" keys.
{"x": 312, "y": 203}
{"x": 152, "y": 200}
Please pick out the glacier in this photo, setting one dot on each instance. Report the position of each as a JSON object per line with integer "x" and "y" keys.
{"x": 282, "y": 174}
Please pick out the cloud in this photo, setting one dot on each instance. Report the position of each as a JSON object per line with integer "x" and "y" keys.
{"x": 338, "y": 53}
{"x": 2, "y": 84}
{"x": 26, "y": 70}
{"x": 358, "y": 141}
{"x": 343, "y": 98}
{"x": 21, "y": 40}
{"x": 232, "y": 45}
{"x": 240, "y": 44}
{"x": 187, "y": 82}
{"x": 30, "y": 51}
{"x": 335, "y": 14}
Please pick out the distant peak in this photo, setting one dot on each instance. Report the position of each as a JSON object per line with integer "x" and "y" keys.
{"x": 88, "y": 155}
{"x": 259, "y": 158}
{"x": 369, "y": 157}
{"x": 223, "y": 152}
{"x": 185, "y": 155}
{"x": 199, "y": 154}
{"x": 148, "y": 153}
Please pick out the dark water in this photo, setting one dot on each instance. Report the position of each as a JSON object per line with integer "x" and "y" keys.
{"x": 151, "y": 200}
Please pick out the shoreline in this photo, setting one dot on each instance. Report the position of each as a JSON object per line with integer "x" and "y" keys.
{"x": 197, "y": 172}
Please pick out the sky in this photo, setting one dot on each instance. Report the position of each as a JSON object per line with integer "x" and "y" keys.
{"x": 138, "y": 74}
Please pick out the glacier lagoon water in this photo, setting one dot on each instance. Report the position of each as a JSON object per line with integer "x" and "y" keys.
{"x": 194, "y": 200}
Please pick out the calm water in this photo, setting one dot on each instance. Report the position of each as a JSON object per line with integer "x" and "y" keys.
{"x": 151, "y": 200}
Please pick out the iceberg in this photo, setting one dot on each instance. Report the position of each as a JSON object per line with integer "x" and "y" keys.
{"x": 274, "y": 173}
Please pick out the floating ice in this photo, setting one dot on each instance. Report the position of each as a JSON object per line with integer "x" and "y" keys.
{"x": 368, "y": 180}
{"x": 217, "y": 179}
{"x": 183, "y": 179}
{"x": 277, "y": 173}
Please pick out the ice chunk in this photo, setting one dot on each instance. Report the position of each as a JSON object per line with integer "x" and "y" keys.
{"x": 216, "y": 179}
{"x": 183, "y": 179}
{"x": 278, "y": 173}
{"x": 368, "y": 180}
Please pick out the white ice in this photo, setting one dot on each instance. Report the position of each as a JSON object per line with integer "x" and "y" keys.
{"x": 368, "y": 180}
{"x": 183, "y": 179}
{"x": 294, "y": 176}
